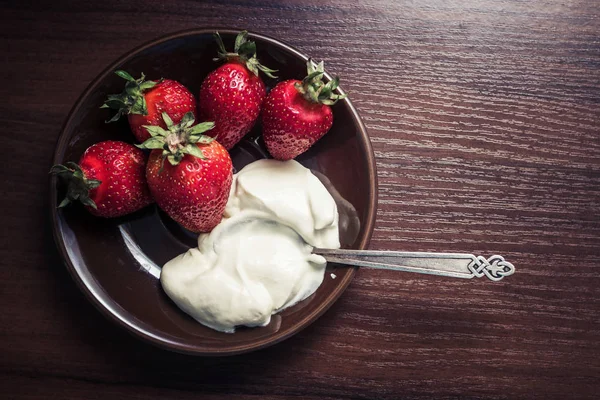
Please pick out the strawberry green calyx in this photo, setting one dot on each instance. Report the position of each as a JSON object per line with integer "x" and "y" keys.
{"x": 178, "y": 139}
{"x": 314, "y": 89}
{"x": 78, "y": 186}
{"x": 131, "y": 100}
{"x": 244, "y": 51}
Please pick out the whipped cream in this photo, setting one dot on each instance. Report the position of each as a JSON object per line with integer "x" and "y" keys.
{"x": 258, "y": 260}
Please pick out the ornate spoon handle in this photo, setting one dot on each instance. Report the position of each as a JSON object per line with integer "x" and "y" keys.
{"x": 456, "y": 265}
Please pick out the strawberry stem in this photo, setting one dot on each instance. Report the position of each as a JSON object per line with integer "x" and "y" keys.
{"x": 131, "y": 100}
{"x": 244, "y": 51}
{"x": 314, "y": 89}
{"x": 78, "y": 186}
{"x": 178, "y": 139}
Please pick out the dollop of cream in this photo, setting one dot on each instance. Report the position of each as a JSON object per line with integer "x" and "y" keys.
{"x": 258, "y": 260}
{"x": 290, "y": 194}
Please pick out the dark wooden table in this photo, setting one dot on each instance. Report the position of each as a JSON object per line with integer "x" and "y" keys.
{"x": 484, "y": 116}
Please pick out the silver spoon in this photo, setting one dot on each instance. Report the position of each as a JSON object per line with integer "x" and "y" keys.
{"x": 455, "y": 265}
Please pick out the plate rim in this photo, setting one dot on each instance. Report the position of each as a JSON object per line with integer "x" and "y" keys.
{"x": 139, "y": 331}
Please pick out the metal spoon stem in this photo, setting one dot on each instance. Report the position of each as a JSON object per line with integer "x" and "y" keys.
{"x": 455, "y": 265}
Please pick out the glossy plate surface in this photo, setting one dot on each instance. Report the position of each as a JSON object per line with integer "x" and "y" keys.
{"x": 114, "y": 261}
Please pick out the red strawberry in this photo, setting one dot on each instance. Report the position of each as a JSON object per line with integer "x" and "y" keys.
{"x": 145, "y": 101}
{"x": 192, "y": 187}
{"x": 232, "y": 95}
{"x": 109, "y": 179}
{"x": 296, "y": 113}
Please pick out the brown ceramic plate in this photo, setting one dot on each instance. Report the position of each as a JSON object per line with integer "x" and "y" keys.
{"x": 112, "y": 260}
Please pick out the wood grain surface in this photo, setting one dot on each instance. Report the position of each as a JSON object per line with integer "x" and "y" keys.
{"x": 484, "y": 118}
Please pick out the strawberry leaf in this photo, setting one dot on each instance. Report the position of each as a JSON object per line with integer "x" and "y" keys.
{"x": 125, "y": 75}
{"x": 60, "y": 169}
{"x": 64, "y": 203}
{"x": 113, "y": 101}
{"x": 115, "y": 117}
{"x": 88, "y": 202}
{"x": 334, "y": 83}
{"x": 222, "y": 50}
{"x": 73, "y": 165}
{"x": 172, "y": 159}
{"x": 203, "y": 139}
{"x": 154, "y": 130}
{"x": 167, "y": 120}
{"x": 93, "y": 183}
{"x": 247, "y": 50}
{"x": 139, "y": 106}
{"x": 267, "y": 71}
{"x": 147, "y": 85}
{"x": 195, "y": 151}
{"x": 201, "y": 128}
{"x": 152, "y": 144}
{"x": 325, "y": 92}
{"x": 313, "y": 76}
{"x": 240, "y": 39}
{"x": 187, "y": 120}
{"x": 78, "y": 174}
